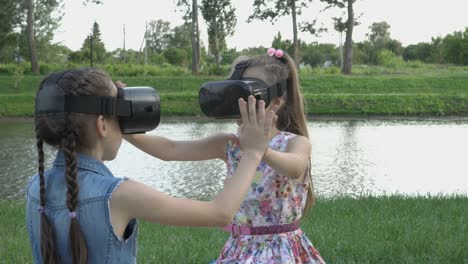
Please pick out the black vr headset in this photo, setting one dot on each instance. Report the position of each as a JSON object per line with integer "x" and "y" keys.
{"x": 137, "y": 108}
{"x": 220, "y": 99}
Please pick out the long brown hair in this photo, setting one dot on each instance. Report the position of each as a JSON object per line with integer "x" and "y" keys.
{"x": 67, "y": 132}
{"x": 291, "y": 115}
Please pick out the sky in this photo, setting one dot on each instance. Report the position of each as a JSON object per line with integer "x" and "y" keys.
{"x": 411, "y": 21}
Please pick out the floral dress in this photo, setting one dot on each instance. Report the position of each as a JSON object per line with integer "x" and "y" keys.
{"x": 273, "y": 199}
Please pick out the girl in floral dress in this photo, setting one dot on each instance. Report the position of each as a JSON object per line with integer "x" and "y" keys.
{"x": 265, "y": 230}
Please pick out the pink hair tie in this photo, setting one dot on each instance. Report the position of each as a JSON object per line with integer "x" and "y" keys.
{"x": 279, "y": 53}
{"x": 276, "y": 52}
{"x": 271, "y": 51}
{"x": 72, "y": 214}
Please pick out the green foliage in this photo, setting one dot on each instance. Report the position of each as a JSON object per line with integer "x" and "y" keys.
{"x": 18, "y": 75}
{"x": 181, "y": 37}
{"x": 389, "y": 59}
{"x": 379, "y": 39}
{"x": 131, "y": 70}
{"x": 99, "y": 50}
{"x": 379, "y": 34}
{"x": 158, "y": 36}
{"x": 47, "y": 15}
{"x": 221, "y": 21}
{"x": 420, "y": 51}
{"x": 8, "y": 14}
{"x": 211, "y": 69}
{"x": 229, "y": 56}
{"x": 273, "y": 9}
{"x": 455, "y": 47}
{"x": 284, "y": 44}
{"x": 317, "y": 54}
{"x": 176, "y": 56}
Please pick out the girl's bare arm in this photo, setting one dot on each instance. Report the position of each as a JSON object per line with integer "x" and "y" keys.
{"x": 294, "y": 161}
{"x": 212, "y": 147}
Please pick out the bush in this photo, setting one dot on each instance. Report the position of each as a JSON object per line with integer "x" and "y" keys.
{"x": 176, "y": 56}
{"x": 389, "y": 59}
{"x": 211, "y": 69}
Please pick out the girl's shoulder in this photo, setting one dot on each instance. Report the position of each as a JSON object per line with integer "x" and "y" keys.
{"x": 282, "y": 139}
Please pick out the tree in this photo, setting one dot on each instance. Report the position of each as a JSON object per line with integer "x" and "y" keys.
{"x": 221, "y": 21}
{"x": 98, "y": 48}
{"x": 380, "y": 34}
{"x": 7, "y": 19}
{"x": 340, "y": 26}
{"x": 273, "y": 9}
{"x": 31, "y": 37}
{"x": 378, "y": 40}
{"x": 38, "y": 23}
{"x": 437, "y": 54}
{"x": 315, "y": 54}
{"x": 8, "y": 38}
{"x": 455, "y": 47}
{"x": 192, "y": 13}
{"x": 176, "y": 56}
{"x": 181, "y": 37}
{"x": 158, "y": 35}
{"x": 348, "y": 26}
{"x": 285, "y": 45}
{"x": 421, "y": 51}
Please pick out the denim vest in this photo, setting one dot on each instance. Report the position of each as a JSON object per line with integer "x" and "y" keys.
{"x": 96, "y": 185}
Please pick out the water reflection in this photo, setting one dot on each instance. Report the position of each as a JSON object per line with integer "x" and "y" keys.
{"x": 348, "y": 158}
{"x": 346, "y": 173}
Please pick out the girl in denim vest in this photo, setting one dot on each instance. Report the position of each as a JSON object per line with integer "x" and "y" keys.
{"x": 266, "y": 227}
{"x": 78, "y": 212}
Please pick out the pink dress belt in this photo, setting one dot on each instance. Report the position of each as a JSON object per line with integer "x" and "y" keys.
{"x": 260, "y": 230}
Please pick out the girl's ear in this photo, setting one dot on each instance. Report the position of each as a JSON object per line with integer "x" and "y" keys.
{"x": 101, "y": 126}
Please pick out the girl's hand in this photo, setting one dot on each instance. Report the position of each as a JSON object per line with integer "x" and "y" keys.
{"x": 255, "y": 131}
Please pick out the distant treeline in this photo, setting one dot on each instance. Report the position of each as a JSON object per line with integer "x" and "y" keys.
{"x": 174, "y": 47}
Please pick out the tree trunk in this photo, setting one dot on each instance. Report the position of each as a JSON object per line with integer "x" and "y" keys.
{"x": 348, "y": 52}
{"x": 216, "y": 47}
{"x": 295, "y": 44}
{"x": 31, "y": 37}
{"x": 195, "y": 39}
{"x": 341, "y": 49}
{"x": 217, "y": 51}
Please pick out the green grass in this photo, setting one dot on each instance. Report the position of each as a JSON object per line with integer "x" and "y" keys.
{"x": 428, "y": 90}
{"x": 392, "y": 229}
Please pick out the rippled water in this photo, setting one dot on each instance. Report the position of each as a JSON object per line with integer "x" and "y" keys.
{"x": 348, "y": 158}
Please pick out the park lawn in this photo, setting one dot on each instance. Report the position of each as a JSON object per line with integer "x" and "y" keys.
{"x": 387, "y": 229}
{"x": 437, "y": 92}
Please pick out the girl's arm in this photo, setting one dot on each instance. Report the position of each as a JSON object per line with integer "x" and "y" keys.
{"x": 294, "y": 161}
{"x": 212, "y": 147}
{"x": 143, "y": 202}
{"x": 136, "y": 200}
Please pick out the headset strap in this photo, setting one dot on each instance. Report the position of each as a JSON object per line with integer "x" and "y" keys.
{"x": 239, "y": 70}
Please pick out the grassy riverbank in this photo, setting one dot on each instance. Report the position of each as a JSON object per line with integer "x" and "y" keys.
{"x": 374, "y": 230}
{"x": 430, "y": 91}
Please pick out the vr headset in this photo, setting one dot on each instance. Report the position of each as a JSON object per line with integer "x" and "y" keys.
{"x": 220, "y": 99}
{"x": 137, "y": 108}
